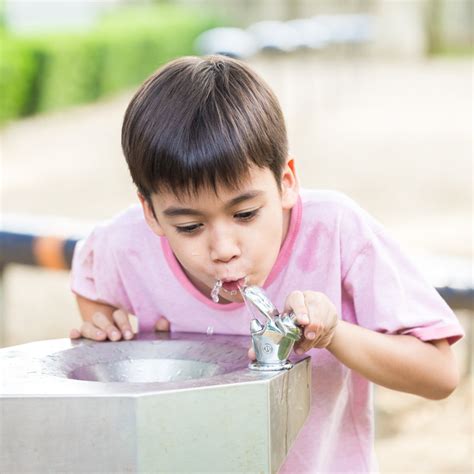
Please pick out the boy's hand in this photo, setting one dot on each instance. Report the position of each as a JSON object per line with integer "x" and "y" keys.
{"x": 317, "y": 317}
{"x": 101, "y": 328}
{"x": 162, "y": 325}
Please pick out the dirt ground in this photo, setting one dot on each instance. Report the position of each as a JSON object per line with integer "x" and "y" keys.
{"x": 395, "y": 136}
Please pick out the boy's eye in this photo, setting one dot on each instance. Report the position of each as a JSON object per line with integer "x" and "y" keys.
{"x": 194, "y": 228}
{"x": 188, "y": 229}
{"x": 247, "y": 215}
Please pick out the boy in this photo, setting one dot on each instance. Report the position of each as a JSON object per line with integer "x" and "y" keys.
{"x": 206, "y": 145}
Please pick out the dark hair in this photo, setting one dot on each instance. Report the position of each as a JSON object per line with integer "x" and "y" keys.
{"x": 202, "y": 122}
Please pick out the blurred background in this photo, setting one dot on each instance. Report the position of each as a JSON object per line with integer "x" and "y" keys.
{"x": 378, "y": 100}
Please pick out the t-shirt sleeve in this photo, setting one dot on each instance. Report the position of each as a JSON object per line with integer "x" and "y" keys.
{"x": 95, "y": 272}
{"x": 390, "y": 295}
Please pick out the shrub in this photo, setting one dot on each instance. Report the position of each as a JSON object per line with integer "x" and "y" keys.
{"x": 18, "y": 73}
{"x": 42, "y": 73}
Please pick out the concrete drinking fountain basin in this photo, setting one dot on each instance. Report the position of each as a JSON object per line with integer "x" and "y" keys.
{"x": 158, "y": 403}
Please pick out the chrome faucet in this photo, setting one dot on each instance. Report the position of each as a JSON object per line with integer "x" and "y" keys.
{"x": 274, "y": 340}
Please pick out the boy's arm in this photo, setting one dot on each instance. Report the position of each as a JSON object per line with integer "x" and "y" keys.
{"x": 398, "y": 362}
{"x": 101, "y": 321}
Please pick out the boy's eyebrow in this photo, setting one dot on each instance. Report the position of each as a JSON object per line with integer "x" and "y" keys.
{"x": 173, "y": 211}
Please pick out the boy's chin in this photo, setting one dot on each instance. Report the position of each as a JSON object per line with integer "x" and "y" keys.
{"x": 231, "y": 297}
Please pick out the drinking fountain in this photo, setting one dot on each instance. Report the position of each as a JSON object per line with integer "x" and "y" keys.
{"x": 274, "y": 339}
{"x": 162, "y": 402}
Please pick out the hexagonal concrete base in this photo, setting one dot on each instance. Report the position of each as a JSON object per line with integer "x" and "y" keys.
{"x": 226, "y": 419}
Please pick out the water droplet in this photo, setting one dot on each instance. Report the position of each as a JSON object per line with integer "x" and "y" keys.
{"x": 215, "y": 291}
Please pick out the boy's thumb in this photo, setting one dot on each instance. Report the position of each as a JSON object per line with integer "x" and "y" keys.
{"x": 251, "y": 354}
{"x": 162, "y": 324}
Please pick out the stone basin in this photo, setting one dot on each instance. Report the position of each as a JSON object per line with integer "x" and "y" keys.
{"x": 159, "y": 403}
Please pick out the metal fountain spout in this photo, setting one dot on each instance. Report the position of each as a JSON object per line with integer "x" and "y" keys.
{"x": 273, "y": 340}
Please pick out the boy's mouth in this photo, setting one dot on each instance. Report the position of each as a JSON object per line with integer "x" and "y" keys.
{"x": 232, "y": 286}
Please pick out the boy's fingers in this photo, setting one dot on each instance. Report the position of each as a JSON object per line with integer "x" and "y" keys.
{"x": 162, "y": 325}
{"x": 103, "y": 322}
{"x": 313, "y": 304}
{"x": 74, "y": 334}
{"x": 122, "y": 321}
{"x": 90, "y": 331}
{"x": 313, "y": 330}
{"x": 251, "y": 354}
{"x": 302, "y": 347}
{"x": 302, "y": 318}
{"x": 296, "y": 303}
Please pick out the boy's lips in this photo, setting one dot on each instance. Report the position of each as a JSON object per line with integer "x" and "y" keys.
{"x": 233, "y": 285}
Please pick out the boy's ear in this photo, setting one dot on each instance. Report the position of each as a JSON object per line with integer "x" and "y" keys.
{"x": 289, "y": 184}
{"x": 150, "y": 218}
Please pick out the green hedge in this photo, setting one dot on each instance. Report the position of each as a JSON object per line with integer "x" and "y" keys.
{"x": 18, "y": 72}
{"x": 43, "y": 73}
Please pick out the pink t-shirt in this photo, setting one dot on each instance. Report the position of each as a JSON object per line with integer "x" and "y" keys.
{"x": 332, "y": 246}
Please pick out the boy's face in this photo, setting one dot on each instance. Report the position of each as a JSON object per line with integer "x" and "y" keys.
{"x": 231, "y": 236}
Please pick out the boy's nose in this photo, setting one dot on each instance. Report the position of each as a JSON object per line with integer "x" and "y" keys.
{"x": 224, "y": 248}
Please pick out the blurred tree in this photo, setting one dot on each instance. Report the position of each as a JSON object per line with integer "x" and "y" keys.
{"x": 434, "y": 26}
{"x": 292, "y": 9}
{"x": 448, "y": 26}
